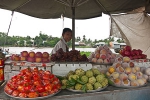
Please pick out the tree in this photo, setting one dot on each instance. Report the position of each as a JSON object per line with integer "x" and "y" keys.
{"x": 78, "y": 39}
{"x": 44, "y": 37}
{"x": 84, "y": 39}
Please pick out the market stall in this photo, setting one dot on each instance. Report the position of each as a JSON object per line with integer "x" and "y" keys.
{"x": 115, "y": 85}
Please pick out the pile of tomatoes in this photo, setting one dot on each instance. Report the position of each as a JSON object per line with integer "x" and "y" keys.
{"x": 32, "y": 83}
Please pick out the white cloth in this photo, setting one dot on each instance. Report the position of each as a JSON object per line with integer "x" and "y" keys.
{"x": 134, "y": 28}
{"x": 60, "y": 44}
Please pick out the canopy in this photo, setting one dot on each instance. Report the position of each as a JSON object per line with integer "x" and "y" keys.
{"x": 83, "y": 8}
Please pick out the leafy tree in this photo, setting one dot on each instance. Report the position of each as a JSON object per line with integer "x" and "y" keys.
{"x": 78, "y": 39}
{"x": 43, "y": 36}
{"x": 84, "y": 39}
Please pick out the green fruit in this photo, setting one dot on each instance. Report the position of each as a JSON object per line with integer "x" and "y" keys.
{"x": 64, "y": 81}
{"x": 100, "y": 78}
{"x": 74, "y": 77}
{"x": 105, "y": 82}
{"x": 84, "y": 79}
{"x": 92, "y": 80}
{"x": 78, "y": 86}
{"x": 89, "y": 73}
{"x": 79, "y": 72}
{"x": 96, "y": 71}
{"x": 97, "y": 85}
{"x": 70, "y": 73}
{"x": 89, "y": 86}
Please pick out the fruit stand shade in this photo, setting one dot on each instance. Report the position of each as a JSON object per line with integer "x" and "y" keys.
{"x": 75, "y": 9}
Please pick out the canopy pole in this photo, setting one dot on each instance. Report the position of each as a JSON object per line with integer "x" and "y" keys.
{"x": 8, "y": 29}
{"x": 73, "y": 28}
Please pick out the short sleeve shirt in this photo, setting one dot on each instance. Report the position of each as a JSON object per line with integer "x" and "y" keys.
{"x": 60, "y": 44}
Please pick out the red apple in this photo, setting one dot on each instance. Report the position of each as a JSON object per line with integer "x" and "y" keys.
{"x": 38, "y": 59}
{"x": 23, "y": 58}
{"x": 31, "y": 59}
{"x": 16, "y": 58}
{"x": 103, "y": 56}
{"x": 24, "y": 54}
{"x": 32, "y": 54}
{"x": 12, "y": 56}
{"x": 38, "y": 54}
{"x": 45, "y": 60}
{"x": 45, "y": 54}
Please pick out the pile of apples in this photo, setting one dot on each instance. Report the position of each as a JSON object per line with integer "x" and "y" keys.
{"x": 124, "y": 72}
{"x": 132, "y": 54}
{"x": 32, "y": 83}
{"x": 102, "y": 55}
{"x": 32, "y": 57}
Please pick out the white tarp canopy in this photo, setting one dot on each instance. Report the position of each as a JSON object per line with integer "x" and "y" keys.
{"x": 134, "y": 28}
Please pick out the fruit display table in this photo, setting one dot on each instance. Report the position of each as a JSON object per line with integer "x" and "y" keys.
{"x": 110, "y": 93}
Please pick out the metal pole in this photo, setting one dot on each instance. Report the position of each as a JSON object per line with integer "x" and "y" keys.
{"x": 73, "y": 28}
{"x": 8, "y": 29}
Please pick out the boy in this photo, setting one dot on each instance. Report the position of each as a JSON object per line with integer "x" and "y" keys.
{"x": 66, "y": 37}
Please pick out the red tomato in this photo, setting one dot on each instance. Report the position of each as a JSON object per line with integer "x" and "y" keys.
{"x": 13, "y": 85}
{"x": 15, "y": 93}
{"x": 40, "y": 88}
{"x": 20, "y": 82}
{"x": 45, "y": 77}
{"x": 48, "y": 87}
{"x": 36, "y": 77}
{"x": 27, "y": 77}
{"x": 46, "y": 82}
{"x": 38, "y": 82}
{"x": 14, "y": 78}
{"x": 45, "y": 93}
{"x": 52, "y": 76}
{"x": 19, "y": 77}
{"x": 27, "y": 82}
{"x": 28, "y": 73}
{"x": 55, "y": 81}
{"x": 27, "y": 88}
{"x": 35, "y": 69}
{"x": 47, "y": 72}
{"x": 41, "y": 71}
{"x": 58, "y": 86}
{"x": 23, "y": 95}
{"x": 20, "y": 88}
{"x": 33, "y": 95}
{"x": 8, "y": 90}
{"x": 53, "y": 91}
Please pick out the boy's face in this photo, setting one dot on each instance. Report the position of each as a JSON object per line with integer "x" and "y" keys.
{"x": 67, "y": 36}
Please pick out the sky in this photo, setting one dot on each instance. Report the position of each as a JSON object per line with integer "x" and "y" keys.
{"x": 24, "y": 25}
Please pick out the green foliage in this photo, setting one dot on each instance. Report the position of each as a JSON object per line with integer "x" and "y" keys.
{"x": 85, "y": 52}
{"x": 44, "y": 40}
